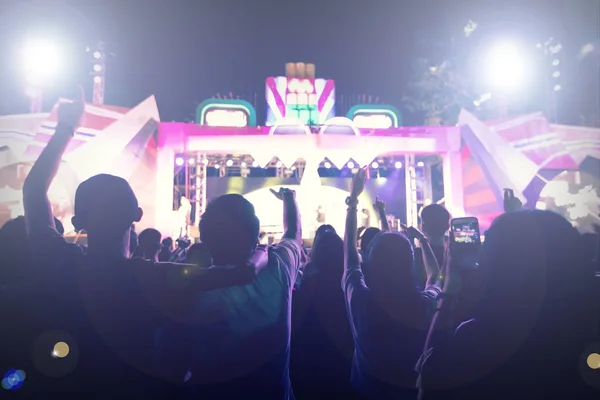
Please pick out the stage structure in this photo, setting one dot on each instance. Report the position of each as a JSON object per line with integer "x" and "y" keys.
{"x": 303, "y": 134}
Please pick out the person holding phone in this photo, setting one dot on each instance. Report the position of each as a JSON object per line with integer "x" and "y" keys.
{"x": 531, "y": 325}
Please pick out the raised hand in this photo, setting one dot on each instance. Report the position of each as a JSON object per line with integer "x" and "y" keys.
{"x": 413, "y": 233}
{"x": 511, "y": 203}
{"x": 70, "y": 113}
{"x": 283, "y": 193}
{"x": 358, "y": 183}
{"x": 379, "y": 204}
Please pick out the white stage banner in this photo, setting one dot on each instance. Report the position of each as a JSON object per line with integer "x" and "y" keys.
{"x": 339, "y": 158}
{"x": 262, "y": 158}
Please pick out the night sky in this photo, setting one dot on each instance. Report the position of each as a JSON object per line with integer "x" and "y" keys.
{"x": 184, "y": 51}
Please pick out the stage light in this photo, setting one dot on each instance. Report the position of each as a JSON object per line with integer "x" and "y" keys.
{"x": 179, "y": 161}
{"x": 243, "y": 164}
{"x": 192, "y": 161}
{"x": 279, "y": 164}
{"x": 217, "y": 166}
{"x": 420, "y": 164}
{"x": 327, "y": 164}
{"x": 556, "y": 74}
{"x": 205, "y": 161}
{"x": 97, "y": 67}
{"x": 97, "y": 55}
{"x": 398, "y": 164}
{"x": 350, "y": 164}
{"x": 293, "y": 168}
{"x": 354, "y": 170}
{"x": 255, "y": 164}
{"x": 556, "y": 62}
{"x": 40, "y": 61}
{"x": 505, "y": 67}
{"x": 229, "y": 163}
{"x": 557, "y": 88}
{"x": 375, "y": 165}
{"x": 97, "y": 79}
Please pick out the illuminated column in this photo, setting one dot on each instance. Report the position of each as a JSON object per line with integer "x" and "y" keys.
{"x": 165, "y": 161}
{"x": 200, "y": 185}
{"x": 453, "y": 185}
{"x": 427, "y": 185}
{"x": 99, "y": 73}
{"x": 412, "y": 216}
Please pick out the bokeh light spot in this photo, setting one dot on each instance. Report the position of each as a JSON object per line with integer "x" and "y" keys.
{"x": 593, "y": 361}
{"x": 61, "y": 350}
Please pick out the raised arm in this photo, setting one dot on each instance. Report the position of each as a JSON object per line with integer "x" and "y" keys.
{"x": 351, "y": 258}
{"x": 432, "y": 268}
{"x": 380, "y": 207}
{"x": 38, "y": 211}
{"x": 292, "y": 225}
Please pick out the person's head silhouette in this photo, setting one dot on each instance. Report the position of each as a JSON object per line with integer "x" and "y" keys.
{"x": 230, "y": 229}
{"x": 149, "y": 244}
{"x": 106, "y": 208}
{"x": 435, "y": 221}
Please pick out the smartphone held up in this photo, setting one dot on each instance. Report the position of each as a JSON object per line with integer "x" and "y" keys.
{"x": 465, "y": 241}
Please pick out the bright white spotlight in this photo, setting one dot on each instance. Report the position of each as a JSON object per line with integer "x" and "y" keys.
{"x": 350, "y": 164}
{"x": 217, "y": 166}
{"x": 557, "y": 88}
{"x": 41, "y": 61}
{"x": 255, "y": 164}
{"x": 556, "y": 62}
{"x": 205, "y": 161}
{"x": 505, "y": 66}
{"x": 556, "y": 74}
{"x": 243, "y": 164}
{"x": 375, "y": 165}
{"x": 97, "y": 55}
{"x": 229, "y": 163}
{"x": 192, "y": 161}
{"x": 293, "y": 168}
{"x": 279, "y": 164}
{"x": 97, "y": 67}
{"x": 398, "y": 164}
{"x": 179, "y": 161}
{"x": 97, "y": 79}
{"x": 327, "y": 164}
{"x": 420, "y": 164}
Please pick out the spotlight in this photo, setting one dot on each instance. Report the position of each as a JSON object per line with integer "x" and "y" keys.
{"x": 327, "y": 164}
{"x": 557, "y": 88}
{"x": 41, "y": 61}
{"x": 97, "y": 67}
{"x": 179, "y": 161}
{"x": 350, "y": 164}
{"x": 354, "y": 170}
{"x": 279, "y": 164}
{"x": 375, "y": 165}
{"x": 398, "y": 164}
{"x": 556, "y": 62}
{"x": 217, "y": 166}
{"x": 293, "y": 168}
{"x": 192, "y": 161}
{"x": 205, "y": 161}
{"x": 229, "y": 163}
{"x": 420, "y": 164}
{"x": 255, "y": 164}
{"x": 505, "y": 66}
{"x": 556, "y": 74}
{"x": 97, "y": 55}
{"x": 243, "y": 164}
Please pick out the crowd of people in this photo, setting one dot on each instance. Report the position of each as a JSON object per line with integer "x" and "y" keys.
{"x": 375, "y": 314}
